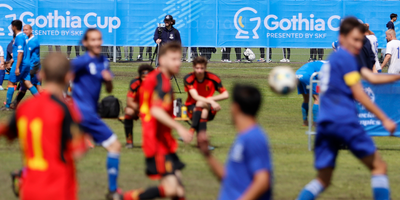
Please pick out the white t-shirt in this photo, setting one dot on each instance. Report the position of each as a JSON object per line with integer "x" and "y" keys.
{"x": 374, "y": 45}
{"x": 1, "y": 52}
{"x": 393, "y": 48}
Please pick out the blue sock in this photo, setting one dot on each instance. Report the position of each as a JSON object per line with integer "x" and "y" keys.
{"x": 311, "y": 191}
{"x": 112, "y": 170}
{"x": 304, "y": 110}
{"x": 10, "y": 93}
{"x": 33, "y": 90}
{"x": 380, "y": 187}
{"x": 380, "y": 71}
{"x": 2, "y": 75}
{"x": 315, "y": 110}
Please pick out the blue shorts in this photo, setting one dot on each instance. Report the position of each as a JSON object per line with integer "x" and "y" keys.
{"x": 330, "y": 136}
{"x": 24, "y": 76}
{"x": 94, "y": 126}
{"x": 35, "y": 81}
{"x": 304, "y": 81}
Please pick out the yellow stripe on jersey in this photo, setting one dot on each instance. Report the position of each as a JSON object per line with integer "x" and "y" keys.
{"x": 352, "y": 78}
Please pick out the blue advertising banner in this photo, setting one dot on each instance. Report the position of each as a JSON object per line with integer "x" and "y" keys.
{"x": 202, "y": 23}
{"x": 386, "y": 96}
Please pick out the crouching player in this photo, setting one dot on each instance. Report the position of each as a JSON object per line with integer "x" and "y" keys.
{"x": 132, "y": 103}
{"x": 201, "y": 86}
{"x": 159, "y": 146}
{"x": 338, "y": 122}
{"x": 248, "y": 171}
{"x": 49, "y": 137}
{"x": 303, "y": 75}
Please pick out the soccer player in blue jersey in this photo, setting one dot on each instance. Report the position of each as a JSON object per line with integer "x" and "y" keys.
{"x": 91, "y": 71}
{"x": 338, "y": 122}
{"x": 21, "y": 66}
{"x": 34, "y": 56}
{"x": 248, "y": 171}
{"x": 303, "y": 75}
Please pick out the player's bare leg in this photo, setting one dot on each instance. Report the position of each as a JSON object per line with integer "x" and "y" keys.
{"x": 304, "y": 108}
{"x": 31, "y": 87}
{"x": 315, "y": 108}
{"x": 379, "y": 179}
{"x": 198, "y": 115}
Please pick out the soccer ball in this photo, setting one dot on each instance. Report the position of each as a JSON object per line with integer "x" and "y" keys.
{"x": 282, "y": 80}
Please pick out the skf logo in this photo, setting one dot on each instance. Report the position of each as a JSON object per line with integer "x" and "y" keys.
{"x": 238, "y": 22}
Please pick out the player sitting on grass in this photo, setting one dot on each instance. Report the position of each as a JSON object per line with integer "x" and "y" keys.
{"x": 159, "y": 146}
{"x": 338, "y": 122}
{"x": 21, "y": 67}
{"x": 132, "y": 103}
{"x": 248, "y": 171}
{"x": 49, "y": 137}
{"x": 91, "y": 71}
{"x": 201, "y": 103}
{"x": 303, "y": 75}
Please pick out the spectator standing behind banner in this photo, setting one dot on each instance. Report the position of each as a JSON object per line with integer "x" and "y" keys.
{"x": 58, "y": 48}
{"x": 390, "y": 24}
{"x": 168, "y": 33}
{"x": 286, "y": 55}
{"x": 262, "y": 56}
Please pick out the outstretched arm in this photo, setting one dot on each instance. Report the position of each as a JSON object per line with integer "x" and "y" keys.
{"x": 216, "y": 167}
{"x": 224, "y": 95}
{"x": 378, "y": 78}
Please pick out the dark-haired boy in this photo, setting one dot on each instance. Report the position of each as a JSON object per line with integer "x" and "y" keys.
{"x": 390, "y": 24}
{"x": 338, "y": 122}
{"x": 201, "y": 103}
{"x": 248, "y": 171}
{"x": 132, "y": 103}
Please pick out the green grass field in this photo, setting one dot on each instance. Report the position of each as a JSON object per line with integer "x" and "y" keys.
{"x": 280, "y": 116}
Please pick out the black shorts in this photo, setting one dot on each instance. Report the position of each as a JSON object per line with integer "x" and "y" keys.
{"x": 162, "y": 165}
{"x": 211, "y": 114}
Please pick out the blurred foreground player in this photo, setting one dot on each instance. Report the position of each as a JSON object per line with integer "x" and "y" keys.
{"x": 303, "y": 75}
{"x": 248, "y": 171}
{"x": 338, "y": 122}
{"x": 201, "y": 103}
{"x": 49, "y": 137}
{"x": 91, "y": 71}
{"x": 159, "y": 146}
{"x": 132, "y": 103}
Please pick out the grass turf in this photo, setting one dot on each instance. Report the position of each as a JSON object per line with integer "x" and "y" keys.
{"x": 280, "y": 116}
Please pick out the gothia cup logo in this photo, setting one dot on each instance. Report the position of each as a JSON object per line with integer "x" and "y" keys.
{"x": 238, "y": 19}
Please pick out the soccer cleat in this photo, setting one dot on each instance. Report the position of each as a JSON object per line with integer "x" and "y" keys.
{"x": 310, "y": 60}
{"x": 16, "y": 182}
{"x": 5, "y": 109}
{"x": 129, "y": 145}
{"x": 1, "y": 88}
{"x": 261, "y": 60}
{"x": 238, "y": 61}
{"x": 283, "y": 60}
{"x": 116, "y": 195}
{"x": 210, "y": 148}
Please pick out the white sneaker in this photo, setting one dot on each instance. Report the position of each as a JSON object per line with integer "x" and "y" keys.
{"x": 287, "y": 60}
{"x": 1, "y": 88}
{"x": 227, "y": 61}
{"x": 283, "y": 60}
{"x": 269, "y": 61}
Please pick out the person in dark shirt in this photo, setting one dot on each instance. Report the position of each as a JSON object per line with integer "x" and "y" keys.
{"x": 366, "y": 57}
{"x": 390, "y": 24}
{"x": 169, "y": 33}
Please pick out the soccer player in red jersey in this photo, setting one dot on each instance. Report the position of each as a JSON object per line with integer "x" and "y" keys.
{"x": 132, "y": 103}
{"x": 201, "y": 103}
{"x": 49, "y": 137}
{"x": 159, "y": 146}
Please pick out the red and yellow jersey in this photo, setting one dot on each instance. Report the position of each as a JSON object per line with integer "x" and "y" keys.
{"x": 45, "y": 126}
{"x": 156, "y": 91}
{"x": 134, "y": 87}
{"x": 206, "y": 88}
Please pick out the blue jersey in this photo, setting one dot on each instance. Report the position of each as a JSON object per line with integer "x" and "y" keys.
{"x": 309, "y": 68}
{"x": 337, "y": 101}
{"x": 34, "y": 51}
{"x": 88, "y": 81}
{"x": 249, "y": 154}
{"x": 20, "y": 45}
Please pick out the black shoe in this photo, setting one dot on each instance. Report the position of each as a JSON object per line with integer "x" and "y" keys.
{"x": 139, "y": 59}
{"x": 16, "y": 182}
{"x": 129, "y": 145}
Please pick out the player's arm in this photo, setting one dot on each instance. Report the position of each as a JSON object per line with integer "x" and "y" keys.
{"x": 259, "y": 186}
{"x": 216, "y": 167}
{"x": 130, "y": 102}
{"x": 224, "y": 95}
{"x": 386, "y": 60}
{"x": 195, "y": 95}
{"x": 352, "y": 79}
{"x": 107, "y": 77}
{"x": 374, "y": 70}
{"x": 378, "y": 78}
{"x": 162, "y": 116}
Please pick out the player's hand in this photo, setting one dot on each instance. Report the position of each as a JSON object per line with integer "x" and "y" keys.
{"x": 106, "y": 75}
{"x": 389, "y": 126}
{"x": 215, "y": 105}
{"x": 203, "y": 142}
{"x": 185, "y": 134}
{"x": 17, "y": 73}
{"x": 158, "y": 41}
